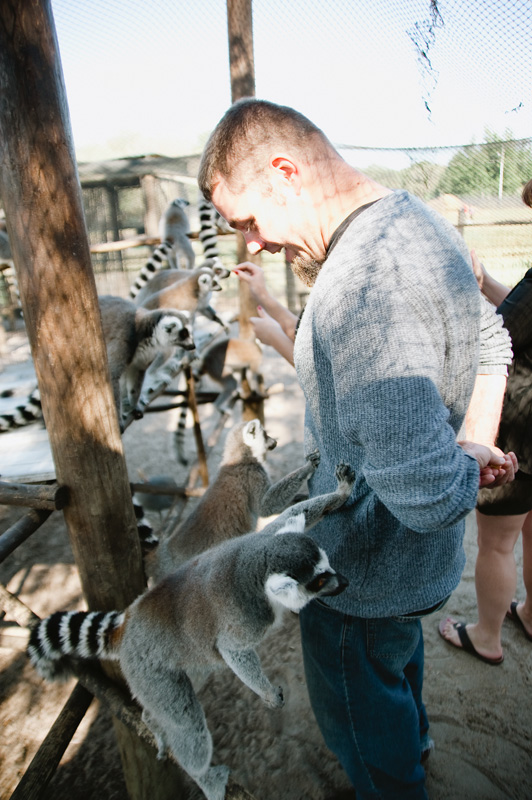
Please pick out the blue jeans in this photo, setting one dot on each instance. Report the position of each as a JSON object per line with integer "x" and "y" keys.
{"x": 364, "y": 678}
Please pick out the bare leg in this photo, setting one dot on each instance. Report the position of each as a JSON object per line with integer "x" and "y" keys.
{"x": 495, "y": 582}
{"x": 525, "y": 609}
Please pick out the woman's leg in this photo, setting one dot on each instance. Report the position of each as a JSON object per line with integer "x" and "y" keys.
{"x": 525, "y": 609}
{"x": 495, "y": 581}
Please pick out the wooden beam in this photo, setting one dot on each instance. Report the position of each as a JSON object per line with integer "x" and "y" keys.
{"x": 21, "y": 530}
{"x": 53, "y": 498}
{"x": 242, "y": 70}
{"x": 42, "y": 199}
{"x": 45, "y": 762}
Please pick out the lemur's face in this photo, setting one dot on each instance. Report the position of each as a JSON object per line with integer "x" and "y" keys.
{"x": 308, "y": 575}
{"x": 205, "y": 283}
{"x": 257, "y": 439}
{"x": 171, "y": 331}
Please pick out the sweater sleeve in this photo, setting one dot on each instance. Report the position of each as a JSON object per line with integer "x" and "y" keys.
{"x": 495, "y": 342}
{"x": 390, "y": 404}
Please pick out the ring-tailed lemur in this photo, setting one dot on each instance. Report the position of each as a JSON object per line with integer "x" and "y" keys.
{"x": 135, "y": 337}
{"x": 30, "y": 411}
{"x": 243, "y": 478}
{"x": 213, "y": 611}
{"x": 175, "y": 246}
{"x": 191, "y": 292}
{"x": 222, "y": 360}
{"x": 211, "y": 222}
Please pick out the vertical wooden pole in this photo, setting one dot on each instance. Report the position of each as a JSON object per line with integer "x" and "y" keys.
{"x": 40, "y": 189}
{"x": 242, "y": 70}
{"x": 112, "y": 195}
{"x": 152, "y": 213}
{"x": 241, "y": 61}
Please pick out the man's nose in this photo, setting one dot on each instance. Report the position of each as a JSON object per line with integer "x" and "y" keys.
{"x": 254, "y": 243}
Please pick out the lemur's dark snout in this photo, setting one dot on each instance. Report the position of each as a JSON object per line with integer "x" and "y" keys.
{"x": 337, "y": 586}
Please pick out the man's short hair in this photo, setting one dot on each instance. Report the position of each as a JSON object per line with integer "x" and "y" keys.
{"x": 247, "y": 129}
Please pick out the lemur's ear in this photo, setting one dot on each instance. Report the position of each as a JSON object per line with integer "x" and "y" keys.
{"x": 250, "y": 431}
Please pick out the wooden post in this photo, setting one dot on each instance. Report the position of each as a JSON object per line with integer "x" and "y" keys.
{"x": 112, "y": 197}
{"x": 242, "y": 70}
{"x": 148, "y": 185}
{"x": 241, "y": 62}
{"x": 291, "y": 292}
{"x": 40, "y": 189}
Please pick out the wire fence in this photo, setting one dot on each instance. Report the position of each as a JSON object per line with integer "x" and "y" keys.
{"x": 383, "y": 78}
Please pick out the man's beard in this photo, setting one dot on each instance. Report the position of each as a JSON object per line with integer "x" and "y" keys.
{"x": 306, "y": 269}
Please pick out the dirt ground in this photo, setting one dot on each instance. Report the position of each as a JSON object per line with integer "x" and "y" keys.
{"x": 481, "y": 717}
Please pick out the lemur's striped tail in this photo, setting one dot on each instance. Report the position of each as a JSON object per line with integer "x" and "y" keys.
{"x": 66, "y": 635}
{"x": 153, "y": 265}
{"x": 23, "y": 414}
{"x": 208, "y": 233}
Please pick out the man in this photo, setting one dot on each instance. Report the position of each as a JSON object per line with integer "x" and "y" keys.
{"x": 386, "y": 353}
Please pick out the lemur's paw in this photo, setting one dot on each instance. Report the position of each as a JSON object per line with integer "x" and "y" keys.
{"x": 314, "y": 458}
{"x": 214, "y": 782}
{"x": 275, "y": 697}
{"x": 344, "y": 474}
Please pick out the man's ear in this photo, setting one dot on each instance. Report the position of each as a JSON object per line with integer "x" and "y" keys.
{"x": 287, "y": 170}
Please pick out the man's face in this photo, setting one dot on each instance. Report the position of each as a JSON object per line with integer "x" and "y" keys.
{"x": 258, "y": 216}
{"x": 270, "y": 220}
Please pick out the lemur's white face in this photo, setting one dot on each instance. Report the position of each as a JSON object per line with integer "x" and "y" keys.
{"x": 258, "y": 441}
{"x": 172, "y": 332}
{"x": 205, "y": 283}
{"x": 285, "y": 590}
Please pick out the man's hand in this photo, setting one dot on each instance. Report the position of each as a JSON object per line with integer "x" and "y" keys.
{"x": 496, "y": 468}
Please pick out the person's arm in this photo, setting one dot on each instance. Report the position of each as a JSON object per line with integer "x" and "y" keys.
{"x": 253, "y": 275}
{"x": 490, "y": 288}
{"x": 390, "y": 405}
{"x": 268, "y": 331}
{"x": 482, "y": 425}
{"x": 484, "y": 412}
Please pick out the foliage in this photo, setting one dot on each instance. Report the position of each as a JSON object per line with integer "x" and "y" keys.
{"x": 475, "y": 169}
{"x": 479, "y": 168}
{"x": 420, "y": 178}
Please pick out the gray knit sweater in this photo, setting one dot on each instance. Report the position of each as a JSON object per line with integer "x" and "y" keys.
{"x": 387, "y": 353}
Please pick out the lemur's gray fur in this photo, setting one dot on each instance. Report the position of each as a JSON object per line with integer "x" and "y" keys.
{"x": 214, "y": 610}
{"x": 225, "y": 361}
{"x": 241, "y": 492}
{"x": 185, "y": 290}
{"x": 134, "y": 338}
{"x": 173, "y": 229}
{"x": 175, "y": 245}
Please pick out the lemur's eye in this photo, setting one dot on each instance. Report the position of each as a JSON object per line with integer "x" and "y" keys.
{"x": 318, "y": 582}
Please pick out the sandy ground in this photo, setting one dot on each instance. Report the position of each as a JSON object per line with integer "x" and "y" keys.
{"x": 481, "y": 716}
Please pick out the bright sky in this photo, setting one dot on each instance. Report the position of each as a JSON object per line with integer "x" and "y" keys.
{"x": 154, "y": 76}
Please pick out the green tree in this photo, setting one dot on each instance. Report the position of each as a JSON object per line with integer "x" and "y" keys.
{"x": 422, "y": 179}
{"x": 477, "y": 169}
